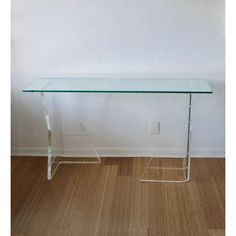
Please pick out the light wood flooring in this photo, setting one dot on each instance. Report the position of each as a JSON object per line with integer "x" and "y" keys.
{"x": 109, "y": 200}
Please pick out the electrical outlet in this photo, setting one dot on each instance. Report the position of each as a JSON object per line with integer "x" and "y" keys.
{"x": 155, "y": 127}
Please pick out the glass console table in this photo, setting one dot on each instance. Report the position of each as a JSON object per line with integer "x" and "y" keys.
{"x": 137, "y": 86}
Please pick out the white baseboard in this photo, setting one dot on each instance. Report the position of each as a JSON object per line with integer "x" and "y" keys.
{"x": 121, "y": 152}
{"x": 29, "y": 151}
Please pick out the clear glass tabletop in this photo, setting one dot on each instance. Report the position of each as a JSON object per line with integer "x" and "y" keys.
{"x": 111, "y": 85}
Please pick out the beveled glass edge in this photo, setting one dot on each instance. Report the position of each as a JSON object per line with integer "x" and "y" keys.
{"x": 108, "y": 91}
{"x": 41, "y": 90}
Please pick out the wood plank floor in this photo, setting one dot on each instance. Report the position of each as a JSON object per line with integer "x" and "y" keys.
{"x": 109, "y": 200}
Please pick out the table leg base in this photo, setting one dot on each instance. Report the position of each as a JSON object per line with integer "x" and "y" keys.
{"x": 56, "y": 164}
{"x": 185, "y": 169}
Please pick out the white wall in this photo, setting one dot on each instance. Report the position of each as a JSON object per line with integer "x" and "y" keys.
{"x": 118, "y": 38}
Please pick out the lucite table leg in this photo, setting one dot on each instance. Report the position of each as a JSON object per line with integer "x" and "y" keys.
{"x": 188, "y": 157}
{"x": 186, "y": 160}
{"x": 46, "y": 114}
{"x": 51, "y": 158}
{"x": 53, "y": 163}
